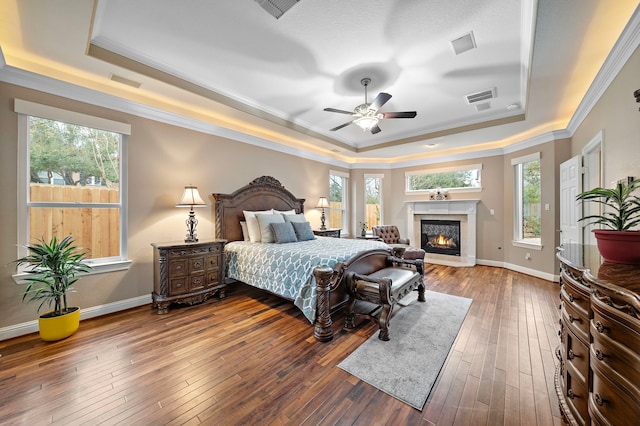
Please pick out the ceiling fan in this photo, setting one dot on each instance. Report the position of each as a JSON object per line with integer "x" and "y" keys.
{"x": 366, "y": 115}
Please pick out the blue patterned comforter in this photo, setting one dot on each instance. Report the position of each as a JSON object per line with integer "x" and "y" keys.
{"x": 287, "y": 269}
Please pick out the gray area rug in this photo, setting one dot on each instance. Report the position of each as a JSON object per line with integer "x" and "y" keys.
{"x": 407, "y": 366}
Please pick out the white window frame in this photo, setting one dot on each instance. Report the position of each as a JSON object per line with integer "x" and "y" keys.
{"x": 374, "y": 176}
{"x": 345, "y": 196}
{"x": 436, "y": 171}
{"x": 25, "y": 109}
{"x": 518, "y": 213}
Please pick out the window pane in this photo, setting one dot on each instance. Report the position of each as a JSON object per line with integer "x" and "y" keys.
{"x": 64, "y": 156}
{"x": 336, "y": 200}
{"x": 531, "y": 208}
{"x": 96, "y": 230}
{"x": 444, "y": 180}
{"x": 373, "y": 200}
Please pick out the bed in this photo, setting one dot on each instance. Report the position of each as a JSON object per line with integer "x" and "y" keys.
{"x": 306, "y": 272}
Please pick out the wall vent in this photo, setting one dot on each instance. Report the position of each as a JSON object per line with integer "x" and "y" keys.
{"x": 277, "y": 8}
{"x": 483, "y": 95}
{"x": 464, "y": 43}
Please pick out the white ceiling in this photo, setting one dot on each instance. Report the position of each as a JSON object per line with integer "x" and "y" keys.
{"x": 232, "y": 64}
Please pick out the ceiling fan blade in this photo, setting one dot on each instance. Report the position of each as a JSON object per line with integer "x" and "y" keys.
{"x": 375, "y": 129}
{"x": 341, "y": 126}
{"x": 339, "y": 111}
{"x": 405, "y": 114}
{"x": 380, "y": 100}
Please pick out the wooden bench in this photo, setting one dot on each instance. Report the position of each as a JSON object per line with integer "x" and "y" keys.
{"x": 380, "y": 277}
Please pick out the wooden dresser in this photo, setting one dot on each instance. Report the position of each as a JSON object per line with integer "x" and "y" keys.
{"x": 598, "y": 376}
{"x": 187, "y": 272}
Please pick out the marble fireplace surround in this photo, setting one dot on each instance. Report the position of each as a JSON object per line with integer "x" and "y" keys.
{"x": 463, "y": 210}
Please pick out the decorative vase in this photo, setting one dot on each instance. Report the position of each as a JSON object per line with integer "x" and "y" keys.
{"x": 59, "y": 327}
{"x": 618, "y": 246}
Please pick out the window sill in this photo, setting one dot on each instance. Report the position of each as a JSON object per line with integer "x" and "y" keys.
{"x": 524, "y": 244}
{"x": 98, "y": 268}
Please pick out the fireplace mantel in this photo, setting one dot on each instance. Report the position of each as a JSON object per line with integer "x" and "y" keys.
{"x": 465, "y": 210}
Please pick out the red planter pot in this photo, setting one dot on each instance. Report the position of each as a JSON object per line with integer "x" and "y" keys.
{"x": 619, "y": 246}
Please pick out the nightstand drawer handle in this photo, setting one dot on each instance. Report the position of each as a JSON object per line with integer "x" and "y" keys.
{"x": 570, "y": 394}
{"x": 571, "y": 298}
{"x": 572, "y": 318}
{"x": 600, "y": 327}
{"x": 600, "y": 355}
{"x": 572, "y": 354}
{"x": 197, "y": 264}
{"x": 178, "y": 267}
{"x": 599, "y": 399}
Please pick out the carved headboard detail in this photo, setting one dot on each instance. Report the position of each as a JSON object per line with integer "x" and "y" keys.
{"x": 262, "y": 193}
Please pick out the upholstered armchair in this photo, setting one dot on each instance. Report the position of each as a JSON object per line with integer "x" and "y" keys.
{"x": 390, "y": 235}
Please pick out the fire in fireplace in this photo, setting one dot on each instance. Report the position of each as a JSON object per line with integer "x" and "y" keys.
{"x": 440, "y": 236}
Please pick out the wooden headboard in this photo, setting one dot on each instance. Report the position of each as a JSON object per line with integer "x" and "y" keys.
{"x": 262, "y": 193}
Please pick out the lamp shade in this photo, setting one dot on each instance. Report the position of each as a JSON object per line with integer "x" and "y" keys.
{"x": 191, "y": 198}
{"x": 323, "y": 203}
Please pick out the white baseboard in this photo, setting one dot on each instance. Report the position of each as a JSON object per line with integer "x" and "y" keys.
{"x": 522, "y": 269}
{"x": 86, "y": 313}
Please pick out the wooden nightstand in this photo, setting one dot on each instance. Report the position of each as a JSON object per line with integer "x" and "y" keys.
{"x": 187, "y": 273}
{"x": 329, "y": 232}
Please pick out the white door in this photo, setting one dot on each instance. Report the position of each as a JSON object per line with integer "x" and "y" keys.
{"x": 570, "y": 186}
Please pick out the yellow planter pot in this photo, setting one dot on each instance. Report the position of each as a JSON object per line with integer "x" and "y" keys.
{"x": 59, "y": 327}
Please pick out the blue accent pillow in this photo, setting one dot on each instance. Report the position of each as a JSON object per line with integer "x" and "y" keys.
{"x": 294, "y": 218}
{"x": 303, "y": 231}
{"x": 283, "y": 233}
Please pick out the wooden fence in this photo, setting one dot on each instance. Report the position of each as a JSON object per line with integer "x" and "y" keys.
{"x": 96, "y": 230}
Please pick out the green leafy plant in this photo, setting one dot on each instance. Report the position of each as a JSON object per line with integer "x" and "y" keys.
{"x": 54, "y": 267}
{"x": 622, "y": 208}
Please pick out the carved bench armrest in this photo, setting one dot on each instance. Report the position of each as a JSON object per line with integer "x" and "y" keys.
{"x": 384, "y": 284}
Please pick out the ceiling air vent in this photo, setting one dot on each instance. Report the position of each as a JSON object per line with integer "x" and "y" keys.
{"x": 124, "y": 80}
{"x": 484, "y": 95}
{"x": 464, "y": 43}
{"x": 277, "y": 8}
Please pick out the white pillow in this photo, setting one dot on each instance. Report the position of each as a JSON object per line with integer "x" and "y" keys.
{"x": 252, "y": 225}
{"x": 264, "y": 220}
{"x": 245, "y": 231}
{"x": 274, "y": 211}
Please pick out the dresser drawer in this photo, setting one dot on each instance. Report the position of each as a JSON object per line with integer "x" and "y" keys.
{"x": 609, "y": 402}
{"x": 178, "y": 267}
{"x": 213, "y": 262}
{"x": 196, "y": 264}
{"x": 575, "y": 320}
{"x": 576, "y": 353}
{"x": 197, "y": 282}
{"x": 576, "y": 394}
{"x": 576, "y": 297}
{"x": 178, "y": 286}
{"x": 615, "y": 325}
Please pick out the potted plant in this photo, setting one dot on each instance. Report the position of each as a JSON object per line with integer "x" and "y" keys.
{"x": 620, "y": 213}
{"x": 53, "y": 269}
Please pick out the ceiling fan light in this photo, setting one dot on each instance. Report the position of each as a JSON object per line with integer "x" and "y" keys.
{"x": 366, "y": 123}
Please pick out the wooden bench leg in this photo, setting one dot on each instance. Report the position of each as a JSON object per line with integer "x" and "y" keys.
{"x": 349, "y": 315}
{"x": 383, "y": 322}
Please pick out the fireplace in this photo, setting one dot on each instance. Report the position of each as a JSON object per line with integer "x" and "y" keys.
{"x": 440, "y": 236}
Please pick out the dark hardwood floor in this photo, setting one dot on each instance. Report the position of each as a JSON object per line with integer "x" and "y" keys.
{"x": 251, "y": 359}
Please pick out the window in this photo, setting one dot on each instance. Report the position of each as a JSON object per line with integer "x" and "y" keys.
{"x": 527, "y": 201}
{"x": 72, "y": 181}
{"x": 338, "y": 184}
{"x": 373, "y": 200}
{"x": 449, "y": 178}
